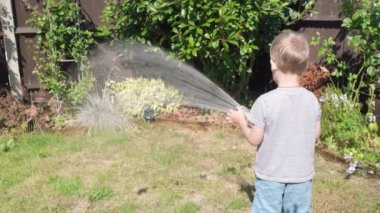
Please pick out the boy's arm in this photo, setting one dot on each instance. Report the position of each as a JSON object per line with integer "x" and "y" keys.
{"x": 253, "y": 134}
{"x": 318, "y": 129}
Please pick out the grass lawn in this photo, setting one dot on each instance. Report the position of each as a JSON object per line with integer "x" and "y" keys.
{"x": 163, "y": 168}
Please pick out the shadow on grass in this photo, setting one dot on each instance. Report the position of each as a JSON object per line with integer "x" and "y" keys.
{"x": 246, "y": 187}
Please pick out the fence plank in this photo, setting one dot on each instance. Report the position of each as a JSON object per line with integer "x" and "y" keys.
{"x": 325, "y": 20}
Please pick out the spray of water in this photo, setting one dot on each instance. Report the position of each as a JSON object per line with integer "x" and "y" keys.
{"x": 119, "y": 61}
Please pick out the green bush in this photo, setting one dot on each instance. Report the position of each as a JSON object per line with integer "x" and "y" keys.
{"x": 138, "y": 94}
{"x": 362, "y": 19}
{"x": 220, "y": 37}
{"x": 346, "y": 129}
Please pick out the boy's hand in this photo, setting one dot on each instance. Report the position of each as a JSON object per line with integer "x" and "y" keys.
{"x": 236, "y": 116}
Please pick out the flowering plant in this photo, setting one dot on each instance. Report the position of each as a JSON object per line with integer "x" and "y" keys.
{"x": 346, "y": 129}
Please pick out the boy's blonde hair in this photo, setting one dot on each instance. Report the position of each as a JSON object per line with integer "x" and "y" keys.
{"x": 290, "y": 52}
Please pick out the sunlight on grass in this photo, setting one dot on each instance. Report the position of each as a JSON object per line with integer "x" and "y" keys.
{"x": 335, "y": 183}
{"x": 8, "y": 180}
{"x": 169, "y": 196}
{"x": 165, "y": 168}
{"x": 220, "y": 135}
{"x": 238, "y": 203}
{"x": 113, "y": 138}
{"x": 100, "y": 193}
{"x": 4, "y": 139}
{"x": 65, "y": 186}
{"x": 188, "y": 207}
{"x": 129, "y": 207}
{"x": 168, "y": 158}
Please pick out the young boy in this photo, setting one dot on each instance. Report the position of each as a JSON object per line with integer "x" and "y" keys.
{"x": 284, "y": 125}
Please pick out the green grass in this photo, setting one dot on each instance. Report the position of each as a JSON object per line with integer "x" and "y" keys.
{"x": 65, "y": 186}
{"x": 99, "y": 193}
{"x": 237, "y": 203}
{"x": 8, "y": 180}
{"x": 129, "y": 207}
{"x": 164, "y": 168}
{"x": 169, "y": 196}
{"x": 168, "y": 157}
{"x": 188, "y": 207}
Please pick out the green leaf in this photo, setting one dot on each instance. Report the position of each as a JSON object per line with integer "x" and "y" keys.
{"x": 191, "y": 41}
{"x": 215, "y": 44}
{"x": 347, "y": 23}
{"x": 194, "y": 52}
{"x": 371, "y": 71}
{"x": 233, "y": 42}
{"x": 358, "y": 14}
{"x": 226, "y": 47}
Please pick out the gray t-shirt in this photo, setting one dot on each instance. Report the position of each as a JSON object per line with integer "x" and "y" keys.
{"x": 288, "y": 117}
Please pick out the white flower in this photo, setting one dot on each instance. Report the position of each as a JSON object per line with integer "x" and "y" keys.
{"x": 343, "y": 98}
{"x": 334, "y": 97}
{"x": 322, "y": 99}
{"x": 352, "y": 168}
{"x": 348, "y": 156}
{"x": 372, "y": 119}
{"x": 351, "y": 106}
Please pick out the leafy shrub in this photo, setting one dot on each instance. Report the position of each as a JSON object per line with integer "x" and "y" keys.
{"x": 362, "y": 22}
{"x": 221, "y": 38}
{"x": 346, "y": 129}
{"x": 341, "y": 118}
{"x": 138, "y": 94}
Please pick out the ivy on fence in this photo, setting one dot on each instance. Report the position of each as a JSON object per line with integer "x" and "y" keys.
{"x": 61, "y": 37}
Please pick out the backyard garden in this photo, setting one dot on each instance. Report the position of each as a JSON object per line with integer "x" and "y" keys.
{"x": 122, "y": 131}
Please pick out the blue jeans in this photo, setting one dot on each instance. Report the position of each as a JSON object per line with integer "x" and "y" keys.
{"x": 272, "y": 197}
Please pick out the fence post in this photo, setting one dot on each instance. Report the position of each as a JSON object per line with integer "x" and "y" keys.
{"x": 11, "y": 53}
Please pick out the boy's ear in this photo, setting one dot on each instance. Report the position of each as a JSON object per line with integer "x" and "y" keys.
{"x": 273, "y": 65}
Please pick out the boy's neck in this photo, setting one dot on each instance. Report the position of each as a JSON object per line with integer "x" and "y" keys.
{"x": 288, "y": 80}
